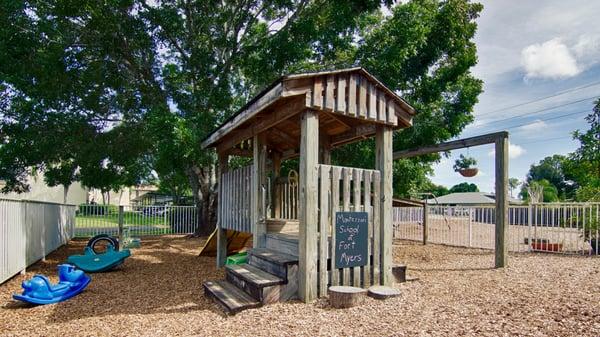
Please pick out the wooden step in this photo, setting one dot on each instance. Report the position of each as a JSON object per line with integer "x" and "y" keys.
{"x": 254, "y": 275}
{"x": 230, "y": 297}
{"x": 260, "y": 285}
{"x": 271, "y": 261}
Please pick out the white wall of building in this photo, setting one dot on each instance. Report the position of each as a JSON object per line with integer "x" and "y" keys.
{"x": 39, "y": 191}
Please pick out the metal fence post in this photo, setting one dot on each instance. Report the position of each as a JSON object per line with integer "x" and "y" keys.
{"x": 425, "y": 221}
{"x": 121, "y": 216}
{"x": 470, "y": 226}
{"x": 529, "y": 224}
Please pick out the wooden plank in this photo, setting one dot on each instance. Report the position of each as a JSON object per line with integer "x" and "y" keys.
{"x": 383, "y": 145}
{"x": 352, "y": 96}
{"x": 381, "y": 106}
{"x": 324, "y": 215}
{"x": 356, "y": 200}
{"x": 376, "y": 228}
{"x": 362, "y": 98}
{"x": 329, "y": 94}
{"x": 346, "y": 177}
{"x": 452, "y": 145}
{"x": 340, "y": 105}
{"x": 317, "y": 93}
{"x": 372, "y": 113}
{"x": 501, "y": 247}
{"x": 392, "y": 110}
{"x": 309, "y": 151}
{"x": 335, "y": 200}
{"x": 366, "y": 271}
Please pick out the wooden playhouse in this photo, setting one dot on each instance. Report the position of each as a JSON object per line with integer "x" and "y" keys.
{"x": 294, "y": 220}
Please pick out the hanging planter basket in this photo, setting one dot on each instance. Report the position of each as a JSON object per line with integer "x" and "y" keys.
{"x": 469, "y": 172}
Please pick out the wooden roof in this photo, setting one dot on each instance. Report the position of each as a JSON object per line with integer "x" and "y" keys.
{"x": 351, "y": 103}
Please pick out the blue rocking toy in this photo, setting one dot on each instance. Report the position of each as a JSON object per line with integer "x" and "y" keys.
{"x": 39, "y": 290}
{"x": 94, "y": 263}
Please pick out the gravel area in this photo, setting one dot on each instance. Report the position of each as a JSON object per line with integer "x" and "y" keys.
{"x": 453, "y": 291}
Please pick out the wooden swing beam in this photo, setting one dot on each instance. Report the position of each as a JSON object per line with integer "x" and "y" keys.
{"x": 500, "y": 139}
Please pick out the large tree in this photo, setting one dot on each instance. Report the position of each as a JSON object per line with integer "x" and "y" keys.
{"x": 119, "y": 87}
{"x": 585, "y": 161}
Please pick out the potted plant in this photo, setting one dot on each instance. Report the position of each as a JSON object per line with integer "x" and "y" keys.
{"x": 465, "y": 166}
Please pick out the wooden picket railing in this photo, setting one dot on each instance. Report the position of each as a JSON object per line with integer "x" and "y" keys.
{"x": 234, "y": 200}
{"x": 288, "y": 200}
{"x": 348, "y": 189}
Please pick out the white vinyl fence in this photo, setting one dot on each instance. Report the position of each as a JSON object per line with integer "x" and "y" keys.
{"x": 137, "y": 220}
{"x": 29, "y": 231}
{"x": 569, "y": 228}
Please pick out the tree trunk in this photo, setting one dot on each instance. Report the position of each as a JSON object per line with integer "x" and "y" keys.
{"x": 65, "y": 193}
{"x": 203, "y": 185}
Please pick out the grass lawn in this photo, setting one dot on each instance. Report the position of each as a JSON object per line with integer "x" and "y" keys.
{"x": 112, "y": 220}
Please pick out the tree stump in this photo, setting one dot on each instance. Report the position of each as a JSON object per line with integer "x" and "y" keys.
{"x": 399, "y": 272}
{"x": 346, "y": 297}
{"x": 383, "y": 292}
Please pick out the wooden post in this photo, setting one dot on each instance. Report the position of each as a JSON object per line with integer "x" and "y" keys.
{"x": 259, "y": 228}
{"x": 383, "y": 144}
{"x": 308, "y": 212}
{"x": 425, "y": 221}
{"x": 501, "y": 201}
{"x": 221, "y": 232}
{"x": 275, "y": 197}
{"x": 324, "y": 150}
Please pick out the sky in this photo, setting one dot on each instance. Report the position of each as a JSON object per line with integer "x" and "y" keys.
{"x": 528, "y": 51}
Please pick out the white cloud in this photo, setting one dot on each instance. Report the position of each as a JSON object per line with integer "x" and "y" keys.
{"x": 551, "y": 59}
{"x": 514, "y": 151}
{"x": 536, "y": 126}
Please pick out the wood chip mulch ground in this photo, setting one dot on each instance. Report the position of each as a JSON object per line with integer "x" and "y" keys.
{"x": 454, "y": 291}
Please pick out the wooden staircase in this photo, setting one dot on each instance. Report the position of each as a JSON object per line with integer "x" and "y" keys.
{"x": 269, "y": 276}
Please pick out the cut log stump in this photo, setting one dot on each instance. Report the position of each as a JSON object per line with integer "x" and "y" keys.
{"x": 399, "y": 272}
{"x": 346, "y": 297}
{"x": 383, "y": 292}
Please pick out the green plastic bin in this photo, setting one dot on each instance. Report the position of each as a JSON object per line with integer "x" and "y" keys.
{"x": 239, "y": 258}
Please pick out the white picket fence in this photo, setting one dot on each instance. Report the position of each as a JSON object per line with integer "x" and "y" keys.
{"x": 137, "y": 220}
{"x": 549, "y": 227}
{"x": 29, "y": 231}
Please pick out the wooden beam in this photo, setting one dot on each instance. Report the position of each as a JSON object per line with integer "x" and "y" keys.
{"x": 221, "y": 233}
{"x": 501, "y": 251}
{"x": 383, "y": 153}
{"x": 361, "y": 131}
{"x": 308, "y": 211}
{"x": 279, "y": 115}
{"x": 289, "y": 140}
{"x": 260, "y": 103}
{"x": 452, "y": 145}
{"x": 324, "y": 149}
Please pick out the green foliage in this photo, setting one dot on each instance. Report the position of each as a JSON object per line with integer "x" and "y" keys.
{"x": 513, "y": 183}
{"x": 104, "y": 92}
{"x": 464, "y": 187}
{"x": 550, "y": 192}
{"x": 558, "y": 171}
{"x": 463, "y": 163}
{"x": 584, "y": 164}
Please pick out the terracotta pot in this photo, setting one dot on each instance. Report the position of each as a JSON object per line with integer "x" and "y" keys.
{"x": 470, "y": 172}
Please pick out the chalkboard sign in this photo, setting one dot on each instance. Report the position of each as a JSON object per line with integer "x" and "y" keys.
{"x": 351, "y": 239}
